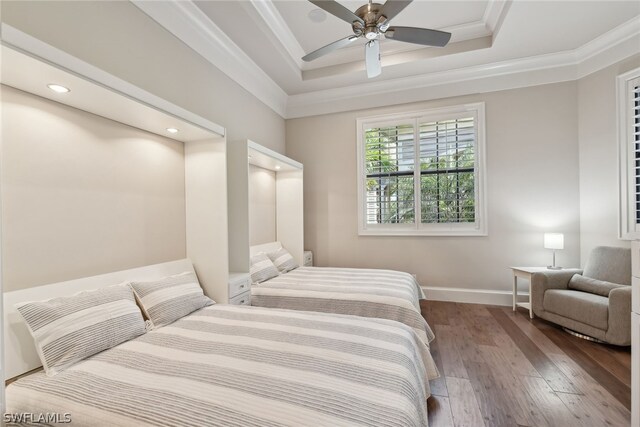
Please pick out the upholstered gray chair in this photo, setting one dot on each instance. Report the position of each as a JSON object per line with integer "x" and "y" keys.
{"x": 595, "y": 302}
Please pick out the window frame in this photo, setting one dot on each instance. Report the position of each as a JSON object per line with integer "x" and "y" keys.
{"x": 477, "y": 228}
{"x": 628, "y": 228}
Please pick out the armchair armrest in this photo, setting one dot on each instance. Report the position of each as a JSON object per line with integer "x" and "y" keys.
{"x": 619, "y": 331}
{"x": 543, "y": 281}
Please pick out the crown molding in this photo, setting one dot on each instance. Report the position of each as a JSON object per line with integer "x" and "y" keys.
{"x": 611, "y": 47}
{"x": 192, "y": 26}
{"x": 279, "y": 28}
{"x": 494, "y": 15}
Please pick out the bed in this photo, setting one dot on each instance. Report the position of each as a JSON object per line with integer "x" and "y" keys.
{"x": 376, "y": 293}
{"x": 240, "y": 366}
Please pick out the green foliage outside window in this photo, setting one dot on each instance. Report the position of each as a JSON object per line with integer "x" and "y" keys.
{"x": 447, "y": 179}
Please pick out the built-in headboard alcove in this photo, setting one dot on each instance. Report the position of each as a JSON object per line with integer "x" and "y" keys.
{"x": 249, "y": 163}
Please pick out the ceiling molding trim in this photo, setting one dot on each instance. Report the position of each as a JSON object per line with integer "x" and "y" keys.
{"x": 491, "y": 83}
{"x": 276, "y": 23}
{"x": 410, "y": 89}
{"x": 192, "y": 26}
{"x": 606, "y": 50}
{"x": 258, "y": 19}
{"x": 609, "y": 48}
{"x": 494, "y": 15}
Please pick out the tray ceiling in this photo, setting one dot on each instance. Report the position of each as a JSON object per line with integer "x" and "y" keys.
{"x": 269, "y": 37}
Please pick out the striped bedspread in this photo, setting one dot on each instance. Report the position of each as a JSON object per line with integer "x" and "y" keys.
{"x": 384, "y": 294}
{"x": 245, "y": 366}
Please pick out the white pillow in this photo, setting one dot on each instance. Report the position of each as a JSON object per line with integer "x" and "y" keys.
{"x": 283, "y": 260}
{"x": 166, "y": 300}
{"x": 69, "y": 329}
{"x": 262, "y": 268}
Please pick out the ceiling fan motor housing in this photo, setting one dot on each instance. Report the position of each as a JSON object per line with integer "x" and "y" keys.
{"x": 372, "y": 22}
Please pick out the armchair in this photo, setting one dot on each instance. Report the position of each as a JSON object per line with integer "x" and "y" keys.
{"x": 595, "y": 301}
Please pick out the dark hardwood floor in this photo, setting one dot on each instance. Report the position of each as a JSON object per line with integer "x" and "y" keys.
{"x": 499, "y": 368}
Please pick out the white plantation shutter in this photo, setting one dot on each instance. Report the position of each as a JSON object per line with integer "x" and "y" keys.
{"x": 390, "y": 162}
{"x": 447, "y": 167}
{"x": 628, "y": 87}
{"x": 635, "y": 137}
{"x": 420, "y": 174}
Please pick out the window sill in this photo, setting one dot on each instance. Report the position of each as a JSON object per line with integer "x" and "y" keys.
{"x": 467, "y": 232}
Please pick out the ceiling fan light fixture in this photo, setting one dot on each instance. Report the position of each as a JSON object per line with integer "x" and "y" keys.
{"x": 371, "y": 33}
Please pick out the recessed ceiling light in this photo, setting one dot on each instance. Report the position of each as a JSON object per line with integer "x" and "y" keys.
{"x": 58, "y": 88}
{"x": 317, "y": 15}
{"x": 277, "y": 168}
{"x": 172, "y": 130}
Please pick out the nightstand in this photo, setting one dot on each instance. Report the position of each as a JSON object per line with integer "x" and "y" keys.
{"x": 239, "y": 289}
{"x": 308, "y": 259}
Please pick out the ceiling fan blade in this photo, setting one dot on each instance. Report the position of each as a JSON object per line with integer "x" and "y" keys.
{"x": 393, "y": 7}
{"x": 329, "y": 48}
{"x": 419, "y": 36}
{"x": 338, "y": 10}
{"x": 372, "y": 58}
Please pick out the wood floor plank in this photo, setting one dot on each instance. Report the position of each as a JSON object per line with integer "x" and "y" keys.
{"x": 435, "y": 313}
{"x": 439, "y": 385}
{"x": 476, "y": 322}
{"x": 463, "y": 403}
{"x": 611, "y": 383}
{"x": 452, "y": 365}
{"x": 603, "y": 355}
{"x": 548, "y": 403}
{"x": 524, "y": 411}
{"x": 522, "y": 320}
{"x": 492, "y": 402}
{"x": 606, "y": 404}
{"x": 542, "y": 364}
{"x": 585, "y": 412}
{"x": 514, "y": 358}
{"x": 439, "y": 412}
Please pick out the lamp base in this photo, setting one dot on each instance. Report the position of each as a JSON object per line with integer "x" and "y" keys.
{"x": 553, "y": 267}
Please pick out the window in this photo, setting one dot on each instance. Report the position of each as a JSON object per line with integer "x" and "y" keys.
{"x": 422, "y": 173}
{"x": 629, "y": 140}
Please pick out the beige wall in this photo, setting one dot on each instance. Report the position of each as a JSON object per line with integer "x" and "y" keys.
{"x": 599, "y": 174}
{"x": 262, "y": 205}
{"x": 83, "y": 195}
{"x": 119, "y": 38}
{"x": 532, "y": 159}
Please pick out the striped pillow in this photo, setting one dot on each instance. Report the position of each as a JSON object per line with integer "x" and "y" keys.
{"x": 283, "y": 260}
{"x": 262, "y": 268}
{"x": 69, "y": 329}
{"x": 166, "y": 300}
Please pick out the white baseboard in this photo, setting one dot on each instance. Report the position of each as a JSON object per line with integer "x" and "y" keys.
{"x": 474, "y": 296}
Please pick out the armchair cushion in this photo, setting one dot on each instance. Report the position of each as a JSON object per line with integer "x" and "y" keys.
{"x": 545, "y": 280}
{"x": 593, "y": 286}
{"x": 580, "y": 306}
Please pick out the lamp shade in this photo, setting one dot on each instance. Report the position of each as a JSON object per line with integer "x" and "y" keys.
{"x": 554, "y": 241}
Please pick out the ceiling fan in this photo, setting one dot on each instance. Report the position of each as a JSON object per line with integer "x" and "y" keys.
{"x": 371, "y": 21}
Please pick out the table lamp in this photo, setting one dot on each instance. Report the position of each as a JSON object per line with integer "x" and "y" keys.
{"x": 554, "y": 241}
